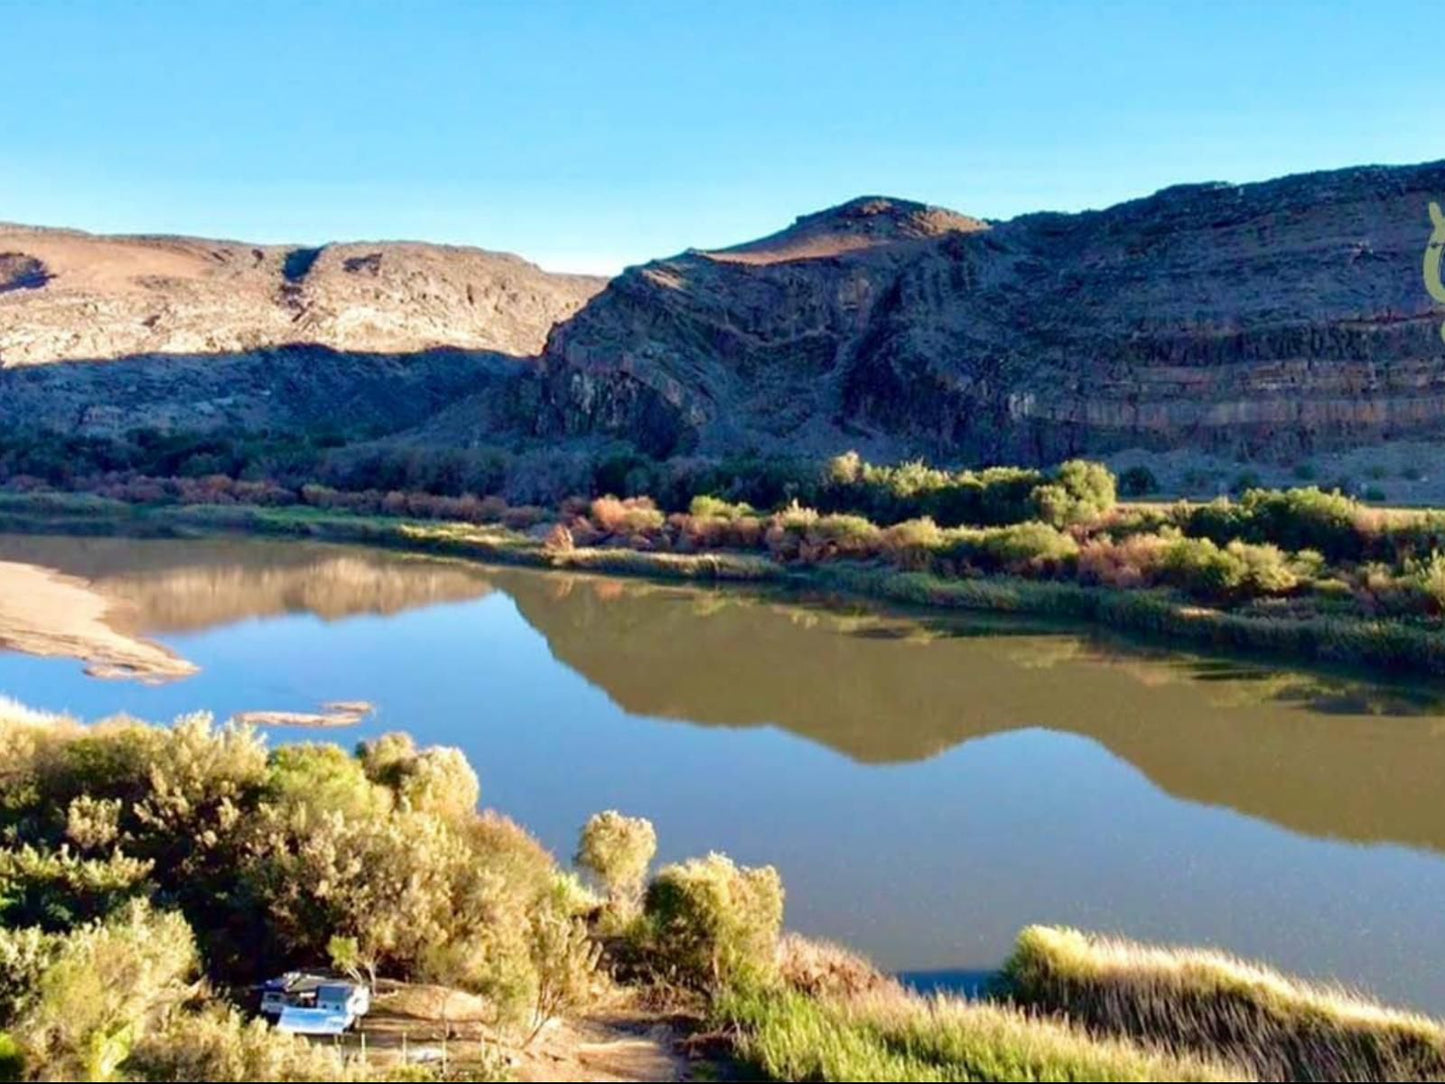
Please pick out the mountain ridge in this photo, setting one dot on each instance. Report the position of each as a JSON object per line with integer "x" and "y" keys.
{"x": 1286, "y": 314}
{"x": 1211, "y": 315}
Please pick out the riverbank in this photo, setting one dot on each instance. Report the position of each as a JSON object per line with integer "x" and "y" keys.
{"x": 1397, "y": 644}
{"x": 190, "y": 852}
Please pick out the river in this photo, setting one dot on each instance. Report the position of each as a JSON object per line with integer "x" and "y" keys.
{"x": 925, "y": 785}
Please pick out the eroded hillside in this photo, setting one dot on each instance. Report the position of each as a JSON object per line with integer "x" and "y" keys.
{"x": 1213, "y": 315}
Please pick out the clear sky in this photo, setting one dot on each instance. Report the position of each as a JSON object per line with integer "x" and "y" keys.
{"x": 589, "y": 135}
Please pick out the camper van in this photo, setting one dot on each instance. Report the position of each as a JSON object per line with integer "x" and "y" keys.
{"x": 307, "y": 1003}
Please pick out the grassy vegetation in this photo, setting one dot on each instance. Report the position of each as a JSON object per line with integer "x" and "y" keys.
{"x": 890, "y": 1034}
{"x": 1212, "y": 1003}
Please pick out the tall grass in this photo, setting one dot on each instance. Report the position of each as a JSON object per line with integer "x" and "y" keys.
{"x": 1204, "y": 1001}
{"x": 892, "y": 1035}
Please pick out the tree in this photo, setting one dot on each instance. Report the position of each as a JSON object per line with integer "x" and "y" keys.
{"x": 616, "y": 850}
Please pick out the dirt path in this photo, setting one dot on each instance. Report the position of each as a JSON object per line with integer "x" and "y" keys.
{"x": 49, "y": 614}
{"x": 619, "y": 1042}
{"x": 605, "y": 1048}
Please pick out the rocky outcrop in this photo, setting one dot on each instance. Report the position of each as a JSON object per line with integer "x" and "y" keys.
{"x": 74, "y": 296}
{"x": 1285, "y": 314}
{"x": 202, "y": 335}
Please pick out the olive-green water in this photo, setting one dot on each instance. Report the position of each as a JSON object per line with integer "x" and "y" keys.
{"x": 926, "y": 786}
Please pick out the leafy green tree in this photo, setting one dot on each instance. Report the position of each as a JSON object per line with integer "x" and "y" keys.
{"x": 56, "y": 890}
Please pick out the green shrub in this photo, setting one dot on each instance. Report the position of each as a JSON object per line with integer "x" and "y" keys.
{"x": 12, "y": 1061}
{"x": 55, "y": 890}
{"x": 565, "y": 959}
{"x": 1080, "y": 493}
{"x": 712, "y": 523}
{"x": 1425, "y": 579}
{"x": 844, "y": 536}
{"x": 1268, "y": 570}
{"x": 716, "y": 508}
{"x": 891, "y": 494}
{"x": 1216, "y": 574}
{"x": 323, "y": 776}
{"x": 1296, "y": 519}
{"x": 803, "y": 534}
{"x": 93, "y": 824}
{"x": 713, "y": 924}
{"x": 25, "y": 953}
{"x": 912, "y": 543}
{"x": 437, "y": 780}
{"x": 1220, "y": 521}
{"x": 1024, "y": 547}
{"x": 617, "y": 851}
{"x": 1137, "y": 481}
{"x": 103, "y": 988}
{"x": 787, "y": 531}
{"x": 219, "y": 1044}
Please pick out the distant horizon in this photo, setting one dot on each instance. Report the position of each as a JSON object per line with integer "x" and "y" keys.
{"x": 586, "y": 138}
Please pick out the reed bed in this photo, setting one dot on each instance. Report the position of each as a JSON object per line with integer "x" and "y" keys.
{"x": 891, "y": 1034}
{"x": 1212, "y": 1003}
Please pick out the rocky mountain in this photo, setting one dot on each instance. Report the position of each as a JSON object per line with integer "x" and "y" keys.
{"x": 68, "y": 296}
{"x": 1289, "y": 315}
{"x": 200, "y": 334}
{"x": 1291, "y": 312}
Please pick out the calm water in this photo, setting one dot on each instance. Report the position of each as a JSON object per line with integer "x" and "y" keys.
{"x": 925, "y": 786}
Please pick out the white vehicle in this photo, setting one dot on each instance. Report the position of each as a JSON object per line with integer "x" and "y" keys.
{"x": 313, "y": 1004}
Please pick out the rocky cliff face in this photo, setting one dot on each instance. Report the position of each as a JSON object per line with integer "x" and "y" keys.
{"x": 202, "y": 334}
{"x": 67, "y": 296}
{"x": 1223, "y": 316}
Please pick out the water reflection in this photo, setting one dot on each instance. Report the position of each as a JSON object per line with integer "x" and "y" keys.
{"x": 1325, "y": 754}
{"x": 166, "y": 585}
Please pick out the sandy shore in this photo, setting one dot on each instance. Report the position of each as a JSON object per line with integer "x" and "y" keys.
{"x": 45, "y": 613}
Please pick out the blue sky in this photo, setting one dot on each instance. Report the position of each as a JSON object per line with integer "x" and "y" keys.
{"x": 591, "y": 135}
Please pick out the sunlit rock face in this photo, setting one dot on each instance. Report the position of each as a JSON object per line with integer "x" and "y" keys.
{"x": 1290, "y": 313}
{"x": 71, "y": 296}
